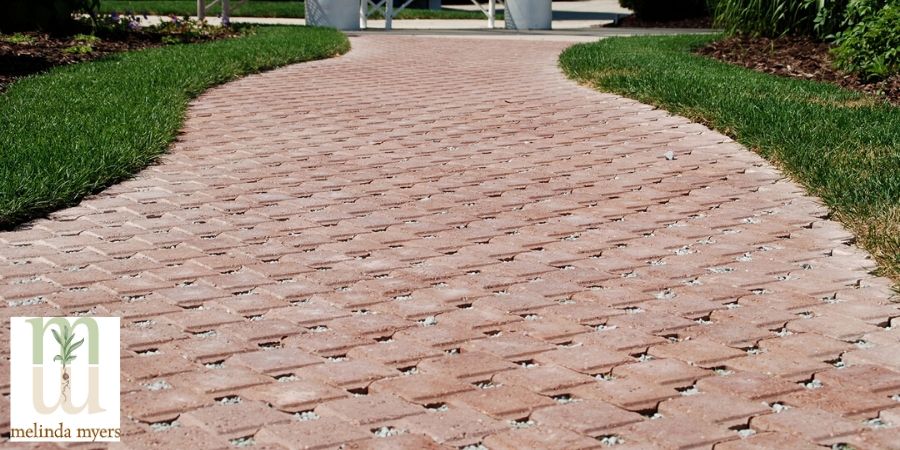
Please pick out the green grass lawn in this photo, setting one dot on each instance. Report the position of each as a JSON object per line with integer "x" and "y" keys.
{"x": 261, "y": 9}
{"x": 842, "y": 145}
{"x": 73, "y": 130}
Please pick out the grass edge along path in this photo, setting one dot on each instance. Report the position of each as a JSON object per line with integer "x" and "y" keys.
{"x": 74, "y": 130}
{"x": 842, "y": 146}
{"x": 293, "y": 10}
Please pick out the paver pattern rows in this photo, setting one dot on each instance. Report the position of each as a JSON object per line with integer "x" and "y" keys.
{"x": 439, "y": 243}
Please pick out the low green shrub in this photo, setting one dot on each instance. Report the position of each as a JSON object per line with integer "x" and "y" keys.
{"x": 18, "y": 38}
{"x": 79, "y": 49}
{"x": 666, "y": 9}
{"x": 870, "y": 46}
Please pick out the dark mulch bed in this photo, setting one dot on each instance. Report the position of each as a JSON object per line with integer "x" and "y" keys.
{"x": 45, "y": 51}
{"x": 634, "y": 22}
{"x": 796, "y": 57}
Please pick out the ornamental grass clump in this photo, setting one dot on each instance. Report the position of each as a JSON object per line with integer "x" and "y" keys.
{"x": 774, "y": 18}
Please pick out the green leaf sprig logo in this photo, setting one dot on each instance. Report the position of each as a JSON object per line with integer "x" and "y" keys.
{"x": 67, "y": 347}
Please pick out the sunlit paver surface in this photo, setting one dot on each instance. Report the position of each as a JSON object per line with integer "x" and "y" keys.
{"x": 441, "y": 243}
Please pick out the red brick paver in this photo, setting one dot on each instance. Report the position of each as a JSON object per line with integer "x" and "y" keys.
{"x": 439, "y": 243}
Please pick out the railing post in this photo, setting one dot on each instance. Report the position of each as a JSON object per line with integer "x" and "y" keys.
{"x": 388, "y": 14}
{"x": 201, "y": 9}
{"x": 226, "y": 13}
{"x": 363, "y": 14}
{"x": 492, "y": 13}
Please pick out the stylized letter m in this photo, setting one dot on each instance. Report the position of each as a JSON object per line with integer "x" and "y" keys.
{"x": 39, "y": 328}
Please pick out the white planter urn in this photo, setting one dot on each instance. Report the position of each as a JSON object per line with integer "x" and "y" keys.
{"x": 340, "y": 14}
{"x": 528, "y": 14}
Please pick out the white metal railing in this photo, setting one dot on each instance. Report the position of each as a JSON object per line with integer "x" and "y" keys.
{"x": 490, "y": 12}
{"x": 369, "y": 7}
{"x": 203, "y": 7}
{"x": 384, "y": 6}
{"x": 366, "y": 9}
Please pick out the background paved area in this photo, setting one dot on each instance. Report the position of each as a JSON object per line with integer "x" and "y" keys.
{"x": 567, "y": 16}
{"x": 433, "y": 243}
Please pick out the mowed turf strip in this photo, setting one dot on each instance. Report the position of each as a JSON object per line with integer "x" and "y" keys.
{"x": 74, "y": 130}
{"x": 843, "y": 146}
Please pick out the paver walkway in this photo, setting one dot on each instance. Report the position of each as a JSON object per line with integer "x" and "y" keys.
{"x": 443, "y": 242}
